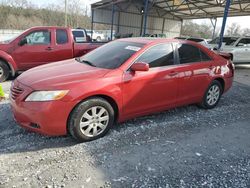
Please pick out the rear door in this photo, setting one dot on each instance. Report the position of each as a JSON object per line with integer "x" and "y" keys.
{"x": 194, "y": 73}
{"x": 36, "y": 51}
{"x": 242, "y": 51}
{"x": 62, "y": 46}
{"x": 148, "y": 91}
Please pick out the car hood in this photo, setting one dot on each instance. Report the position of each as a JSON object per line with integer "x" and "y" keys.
{"x": 56, "y": 75}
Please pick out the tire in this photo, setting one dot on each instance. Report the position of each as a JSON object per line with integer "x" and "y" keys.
{"x": 98, "y": 39}
{"x": 84, "y": 126}
{"x": 212, "y": 95}
{"x": 4, "y": 71}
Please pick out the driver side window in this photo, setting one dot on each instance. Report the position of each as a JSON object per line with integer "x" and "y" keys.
{"x": 158, "y": 56}
{"x": 39, "y": 38}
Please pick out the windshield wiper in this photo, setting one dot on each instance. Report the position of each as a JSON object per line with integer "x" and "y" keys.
{"x": 78, "y": 59}
{"x": 87, "y": 62}
{"x": 84, "y": 61}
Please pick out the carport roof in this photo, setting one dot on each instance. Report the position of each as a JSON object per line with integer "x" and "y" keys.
{"x": 182, "y": 9}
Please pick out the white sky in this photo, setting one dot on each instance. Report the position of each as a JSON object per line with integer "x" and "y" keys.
{"x": 243, "y": 21}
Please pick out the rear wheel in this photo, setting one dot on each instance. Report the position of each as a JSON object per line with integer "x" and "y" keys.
{"x": 91, "y": 119}
{"x": 4, "y": 71}
{"x": 212, "y": 95}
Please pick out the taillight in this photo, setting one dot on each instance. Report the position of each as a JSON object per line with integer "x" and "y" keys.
{"x": 231, "y": 67}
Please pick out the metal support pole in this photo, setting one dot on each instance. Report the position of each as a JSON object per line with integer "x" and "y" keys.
{"x": 181, "y": 27}
{"x": 141, "y": 34}
{"x": 145, "y": 16}
{"x": 163, "y": 25}
{"x": 66, "y": 14}
{"x": 118, "y": 24}
{"x": 214, "y": 26}
{"x": 112, "y": 20}
{"x": 228, "y": 3}
{"x": 92, "y": 22}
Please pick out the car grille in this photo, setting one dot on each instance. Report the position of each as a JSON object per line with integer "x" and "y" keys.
{"x": 15, "y": 92}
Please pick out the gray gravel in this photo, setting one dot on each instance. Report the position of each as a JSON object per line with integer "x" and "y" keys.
{"x": 183, "y": 147}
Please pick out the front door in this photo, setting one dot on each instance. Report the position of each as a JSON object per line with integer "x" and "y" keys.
{"x": 36, "y": 51}
{"x": 155, "y": 89}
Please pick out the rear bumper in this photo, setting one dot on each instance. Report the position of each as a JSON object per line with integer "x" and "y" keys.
{"x": 48, "y": 118}
{"x": 228, "y": 83}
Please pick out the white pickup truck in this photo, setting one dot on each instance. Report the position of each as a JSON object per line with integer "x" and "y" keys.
{"x": 238, "y": 47}
{"x": 96, "y": 36}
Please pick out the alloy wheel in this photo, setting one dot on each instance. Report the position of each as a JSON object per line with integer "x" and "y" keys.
{"x": 94, "y": 121}
{"x": 213, "y": 95}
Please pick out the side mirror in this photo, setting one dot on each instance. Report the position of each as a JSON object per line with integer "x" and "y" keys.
{"x": 23, "y": 42}
{"x": 140, "y": 66}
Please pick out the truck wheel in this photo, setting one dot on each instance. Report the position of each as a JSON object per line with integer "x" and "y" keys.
{"x": 4, "y": 71}
{"x": 91, "y": 119}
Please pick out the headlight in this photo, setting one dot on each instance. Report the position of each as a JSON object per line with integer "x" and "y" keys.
{"x": 46, "y": 95}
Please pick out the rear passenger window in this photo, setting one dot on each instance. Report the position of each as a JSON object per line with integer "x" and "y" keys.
{"x": 191, "y": 54}
{"x": 205, "y": 57}
{"x": 61, "y": 36}
{"x": 188, "y": 54}
{"x": 158, "y": 56}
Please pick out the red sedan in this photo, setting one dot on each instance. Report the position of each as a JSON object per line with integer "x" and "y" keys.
{"x": 123, "y": 79}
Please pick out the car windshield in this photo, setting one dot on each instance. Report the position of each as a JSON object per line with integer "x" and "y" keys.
{"x": 226, "y": 40}
{"x": 111, "y": 55}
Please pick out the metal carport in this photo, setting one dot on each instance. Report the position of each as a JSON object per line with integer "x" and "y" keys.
{"x": 163, "y": 16}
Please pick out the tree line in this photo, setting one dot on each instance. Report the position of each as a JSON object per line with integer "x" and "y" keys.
{"x": 21, "y": 14}
{"x": 206, "y": 31}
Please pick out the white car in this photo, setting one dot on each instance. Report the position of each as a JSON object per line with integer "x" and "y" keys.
{"x": 227, "y": 41}
{"x": 95, "y": 35}
{"x": 240, "y": 50}
{"x": 198, "y": 40}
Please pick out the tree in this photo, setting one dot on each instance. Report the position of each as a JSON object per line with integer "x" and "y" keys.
{"x": 233, "y": 30}
{"x": 246, "y": 32}
{"x": 195, "y": 30}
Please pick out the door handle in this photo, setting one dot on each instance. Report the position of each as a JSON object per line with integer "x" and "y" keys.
{"x": 49, "y": 48}
{"x": 173, "y": 73}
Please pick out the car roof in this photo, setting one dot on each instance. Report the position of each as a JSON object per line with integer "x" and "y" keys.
{"x": 148, "y": 40}
{"x": 49, "y": 27}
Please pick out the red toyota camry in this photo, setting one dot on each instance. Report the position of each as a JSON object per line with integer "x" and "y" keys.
{"x": 118, "y": 81}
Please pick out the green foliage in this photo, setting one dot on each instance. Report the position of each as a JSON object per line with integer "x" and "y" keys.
{"x": 15, "y": 17}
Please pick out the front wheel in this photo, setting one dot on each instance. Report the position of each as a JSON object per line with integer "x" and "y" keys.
{"x": 212, "y": 95}
{"x": 91, "y": 119}
{"x": 4, "y": 71}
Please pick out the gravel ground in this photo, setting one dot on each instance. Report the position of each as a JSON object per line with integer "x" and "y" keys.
{"x": 183, "y": 147}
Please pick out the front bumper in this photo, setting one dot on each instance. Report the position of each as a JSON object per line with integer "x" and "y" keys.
{"x": 48, "y": 118}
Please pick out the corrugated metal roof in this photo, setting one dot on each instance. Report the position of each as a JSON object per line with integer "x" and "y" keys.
{"x": 180, "y": 9}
